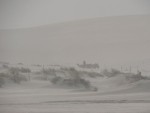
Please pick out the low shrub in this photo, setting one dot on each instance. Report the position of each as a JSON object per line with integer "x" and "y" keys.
{"x": 2, "y": 82}
{"x": 111, "y": 73}
{"x": 74, "y": 83}
{"x": 16, "y": 76}
{"x": 25, "y": 70}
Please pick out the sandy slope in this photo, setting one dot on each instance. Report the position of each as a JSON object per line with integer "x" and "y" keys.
{"x": 41, "y": 97}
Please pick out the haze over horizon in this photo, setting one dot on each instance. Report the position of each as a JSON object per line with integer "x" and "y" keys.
{"x": 93, "y": 40}
{"x": 69, "y": 36}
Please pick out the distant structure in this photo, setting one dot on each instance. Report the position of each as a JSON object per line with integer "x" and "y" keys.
{"x": 88, "y": 66}
{"x": 139, "y": 73}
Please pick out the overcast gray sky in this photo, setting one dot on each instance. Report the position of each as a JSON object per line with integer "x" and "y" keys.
{"x": 27, "y": 13}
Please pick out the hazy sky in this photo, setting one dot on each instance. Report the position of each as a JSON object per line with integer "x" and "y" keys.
{"x": 109, "y": 41}
{"x": 26, "y": 13}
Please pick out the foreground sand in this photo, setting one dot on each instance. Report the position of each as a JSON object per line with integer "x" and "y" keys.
{"x": 41, "y": 97}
